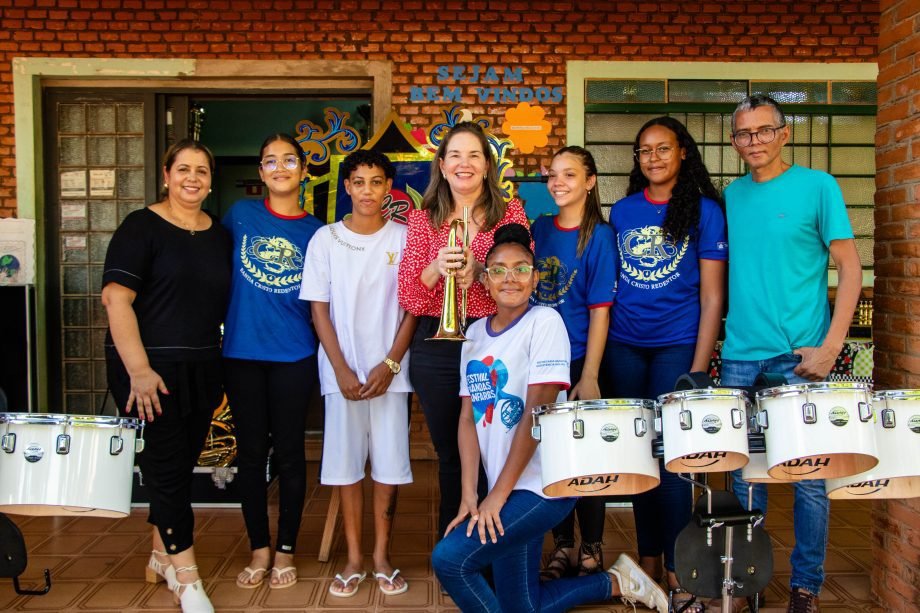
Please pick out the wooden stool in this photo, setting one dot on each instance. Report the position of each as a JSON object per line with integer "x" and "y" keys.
{"x": 332, "y": 516}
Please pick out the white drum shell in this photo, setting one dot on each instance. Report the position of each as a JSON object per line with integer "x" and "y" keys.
{"x": 897, "y": 474}
{"x": 838, "y": 444}
{"x": 610, "y": 459}
{"x": 712, "y": 443}
{"x": 88, "y": 480}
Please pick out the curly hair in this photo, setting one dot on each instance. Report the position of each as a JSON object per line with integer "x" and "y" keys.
{"x": 592, "y": 214}
{"x": 369, "y": 158}
{"x": 693, "y": 182}
{"x": 438, "y": 201}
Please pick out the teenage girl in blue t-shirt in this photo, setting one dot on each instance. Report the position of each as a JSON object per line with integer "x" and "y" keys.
{"x": 672, "y": 250}
{"x": 574, "y": 257}
{"x": 270, "y": 356}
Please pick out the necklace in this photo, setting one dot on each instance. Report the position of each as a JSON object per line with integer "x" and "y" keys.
{"x": 191, "y": 229}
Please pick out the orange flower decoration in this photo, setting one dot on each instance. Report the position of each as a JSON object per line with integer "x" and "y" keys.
{"x": 526, "y": 127}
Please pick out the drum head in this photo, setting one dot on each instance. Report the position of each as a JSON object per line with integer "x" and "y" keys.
{"x": 823, "y": 466}
{"x": 708, "y": 462}
{"x": 874, "y": 489}
{"x": 602, "y": 485}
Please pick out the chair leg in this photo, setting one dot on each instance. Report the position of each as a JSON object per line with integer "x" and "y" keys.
{"x": 329, "y": 529}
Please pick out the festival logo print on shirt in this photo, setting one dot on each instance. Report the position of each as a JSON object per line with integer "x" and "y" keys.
{"x": 272, "y": 264}
{"x": 485, "y": 381}
{"x": 649, "y": 259}
{"x": 555, "y": 281}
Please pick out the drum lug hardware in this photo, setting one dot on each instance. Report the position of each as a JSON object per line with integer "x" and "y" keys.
{"x": 116, "y": 445}
{"x": 686, "y": 420}
{"x": 751, "y": 570}
{"x": 737, "y": 419}
{"x": 694, "y": 574}
{"x": 9, "y": 442}
{"x": 658, "y": 425}
{"x": 865, "y": 411}
{"x": 809, "y": 413}
{"x": 535, "y": 433}
{"x": 888, "y": 420}
{"x": 578, "y": 428}
{"x": 139, "y": 443}
{"x": 763, "y": 420}
{"x": 63, "y": 444}
{"x": 640, "y": 426}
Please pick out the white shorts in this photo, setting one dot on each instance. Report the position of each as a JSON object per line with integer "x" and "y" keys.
{"x": 356, "y": 429}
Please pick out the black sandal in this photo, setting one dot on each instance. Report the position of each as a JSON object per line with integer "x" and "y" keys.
{"x": 593, "y": 552}
{"x": 683, "y": 601}
{"x": 558, "y": 564}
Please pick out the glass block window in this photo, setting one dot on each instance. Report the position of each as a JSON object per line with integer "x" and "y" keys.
{"x": 707, "y": 91}
{"x": 624, "y": 90}
{"x": 100, "y": 150}
{"x": 831, "y": 129}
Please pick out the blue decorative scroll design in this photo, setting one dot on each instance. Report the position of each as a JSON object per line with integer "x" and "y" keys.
{"x": 316, "y": 143}
{"x": 452, "y": 117}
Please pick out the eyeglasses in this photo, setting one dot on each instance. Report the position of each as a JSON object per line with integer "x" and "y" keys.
{"x": 271, "y": 164}
{"x": 518, "y": 273}
{"x": 664, "y": 153}
{"x": 764, "y": 136}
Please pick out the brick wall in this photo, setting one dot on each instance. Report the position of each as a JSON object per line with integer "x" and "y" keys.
{"x": 896, "y": 523}
{"x": 419, "y": 36}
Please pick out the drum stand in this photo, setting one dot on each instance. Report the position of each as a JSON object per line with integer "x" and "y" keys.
{"x": 745, "y": 564}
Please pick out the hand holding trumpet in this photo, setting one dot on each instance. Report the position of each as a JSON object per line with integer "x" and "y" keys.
{"x": 460, "y": 262}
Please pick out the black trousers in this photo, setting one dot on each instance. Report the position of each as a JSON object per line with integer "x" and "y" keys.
{"x": 269, "y": 405}
{"x": 434, "y": 370}
{"x": 591, "y": 510}
{"x": 173, "y": 440}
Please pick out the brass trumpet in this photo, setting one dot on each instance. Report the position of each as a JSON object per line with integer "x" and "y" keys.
{"x": 449, "y": 328}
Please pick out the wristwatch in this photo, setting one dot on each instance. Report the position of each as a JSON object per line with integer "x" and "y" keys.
{"x": 393, "y": 364}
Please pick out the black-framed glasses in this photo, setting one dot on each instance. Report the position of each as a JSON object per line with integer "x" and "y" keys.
{"x": 664, "y": 153}
{"x": 764, "y": 136}
{"x": 272, "y": 164}
{"x": 518, "y": 273}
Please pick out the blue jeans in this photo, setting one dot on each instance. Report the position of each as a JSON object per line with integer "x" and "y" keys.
{"x": 647, "y": 372}
{"x": 458, "y": 562}
{"x": 811, "y": 508}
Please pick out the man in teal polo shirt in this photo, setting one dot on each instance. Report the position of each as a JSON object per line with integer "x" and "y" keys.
{"x": 783, "y": 221}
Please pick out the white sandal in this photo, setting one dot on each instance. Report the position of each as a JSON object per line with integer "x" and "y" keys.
{"x": 192, "y": 597}
{"x": 157, "y": 571}
{"x": 389, "y": 581}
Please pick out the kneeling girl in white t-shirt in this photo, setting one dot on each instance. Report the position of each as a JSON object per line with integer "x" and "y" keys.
{"x": 513, "y": 361}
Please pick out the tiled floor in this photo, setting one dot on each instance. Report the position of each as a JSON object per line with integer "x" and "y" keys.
{"x": 98, "y": 564}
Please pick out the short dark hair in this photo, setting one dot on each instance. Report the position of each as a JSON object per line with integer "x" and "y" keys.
{"x": 181, "y": 145}
{"x": 514, "y": 234}
{"x": 757, "y": 100}
{"x": 367, "y": 157}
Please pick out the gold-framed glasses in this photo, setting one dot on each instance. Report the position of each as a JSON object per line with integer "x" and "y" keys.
{"x": 764, "y": 136}
{"x": 664, "y": 153}
{"x": 518, "y": 273}
{"x": 290, "y": 162}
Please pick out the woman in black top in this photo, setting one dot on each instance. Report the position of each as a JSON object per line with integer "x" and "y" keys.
{"x": 165, "y": 288}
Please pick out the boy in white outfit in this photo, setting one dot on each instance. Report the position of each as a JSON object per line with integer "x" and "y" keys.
{"x": 350, "y": 278}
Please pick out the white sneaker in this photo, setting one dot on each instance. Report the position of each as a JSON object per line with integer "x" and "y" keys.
{"x": 637, "y": 586}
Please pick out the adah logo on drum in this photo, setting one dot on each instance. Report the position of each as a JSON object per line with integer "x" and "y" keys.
{"x": 914, "y": 424}
{"x": 33, "y": 452}
{"x": 815, "y": 464}
{"x": 838, "y": 416}
{"x": 877, "y": 485}
{"x": 610, "y": 432}
{"x": 593, "y": 484}
{"x": 712, "y": 424}
{"x": 715, "y": 456}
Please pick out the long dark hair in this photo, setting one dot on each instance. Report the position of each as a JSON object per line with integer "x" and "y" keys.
{"x": 693, "y": 182}
{"x": 286, "y": 138}
{"x": 592, "y": 214}
{"x": 437, "y": 199}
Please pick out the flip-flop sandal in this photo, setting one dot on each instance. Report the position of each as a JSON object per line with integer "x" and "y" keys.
{"x": 685, "y": 602}
{"x": 389, "y": 581}
{"x": 250, "y": 583}
{"x": 281, "y": 571}
{"x": 356, "y": 577}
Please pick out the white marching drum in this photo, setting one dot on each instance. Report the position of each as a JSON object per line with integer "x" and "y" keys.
{"x": 596, "y": 447}
{"x": 817, "y": 430}
{"x": 897, "y": 437}
{"x": 704, "y": 430}
{"x": 67, "y": 464}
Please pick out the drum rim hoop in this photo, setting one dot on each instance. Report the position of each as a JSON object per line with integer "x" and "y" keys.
{"x": 594, "y": 405}
{"x": 905, "y": 394}
{"x": 708, "y": 392}
{"x": 817, "y": 387}
{"x": 76, "y": 421}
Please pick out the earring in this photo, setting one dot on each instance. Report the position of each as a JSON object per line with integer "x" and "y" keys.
{"x": 166, "y": 185}
{"x": 444, "y": 174}
{"x": 210, "y": 190}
